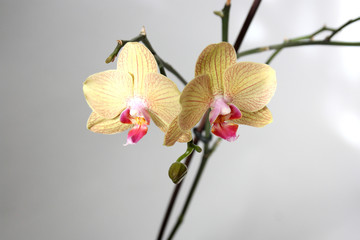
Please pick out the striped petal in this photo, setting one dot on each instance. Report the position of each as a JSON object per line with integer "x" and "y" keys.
{"x": 255, "y": 119}
{"x": 174, "y": 134}
{"x": 195, "y": 100}
{"x": 99, "y": 124}
{"x": 214, "y": 60}
{"x": 137, "y": 60}
{"x": 107, "y": 92}
{"x": 249, "y": 86}
{"x": 162, "y": 98}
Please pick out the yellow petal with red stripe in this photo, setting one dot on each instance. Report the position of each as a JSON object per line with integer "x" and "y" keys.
{"x": 162, "y": 99}
{"x": 175, "y": 134}
{"x": 214, "y": 60}
{"x": 249, "y": 86}
{"x": 107, "y": 92}
{"x": 195, "y": 100}
{"x": 259, "y": 118}
{"x": 99, "y": 124}
{"x": 137, "y": 60}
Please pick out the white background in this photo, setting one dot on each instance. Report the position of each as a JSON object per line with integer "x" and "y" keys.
{"x": 297, "y": 178}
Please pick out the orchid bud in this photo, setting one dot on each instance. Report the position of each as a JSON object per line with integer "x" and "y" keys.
{"x": 177, "y": 172}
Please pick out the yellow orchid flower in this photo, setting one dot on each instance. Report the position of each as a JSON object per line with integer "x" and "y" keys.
{"x": 236, "y": 93}
{"x": 132, "y": 95}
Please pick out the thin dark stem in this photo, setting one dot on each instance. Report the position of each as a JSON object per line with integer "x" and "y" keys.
{"x": 177, "y": 188}
{"x": 173, "y": 71}
{"x": 206, "y": 154}
{"x": 188, "y": 199}
{"x": 162, "y": 62}
{"x": 173, "y": 198}
{"x": 157, "y": 57}
{"x": 246, "y": 24}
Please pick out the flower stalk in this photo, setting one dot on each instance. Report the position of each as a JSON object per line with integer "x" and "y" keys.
{"x": 304, "y": 41}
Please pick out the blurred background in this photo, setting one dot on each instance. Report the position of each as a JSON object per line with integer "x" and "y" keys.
{"x": 297, "y": 178}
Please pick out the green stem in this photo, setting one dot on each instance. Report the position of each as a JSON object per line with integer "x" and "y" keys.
{"x": 120, "y": 44}
{"x": 161, "y": 63}
{"x": 295, "y": 44}
{"x": 173, "y": 71}
{"x": 157, "y": 57}
{"x": 304, "y": 41}
{"x": 342, "y": 27}
{"x": 190, "y": 148}
{"x": 225, "y": 21}
{"x": 273, "y": 55}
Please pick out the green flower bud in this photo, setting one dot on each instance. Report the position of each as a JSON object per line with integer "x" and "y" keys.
{"x": 177, "y": 172}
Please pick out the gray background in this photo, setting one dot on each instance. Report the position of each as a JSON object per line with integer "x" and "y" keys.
{"x": 297, "y": 178}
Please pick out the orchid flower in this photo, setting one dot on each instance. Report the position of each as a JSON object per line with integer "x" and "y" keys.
{"x": 236, "y": 93}
{"x": 132, "y": 96}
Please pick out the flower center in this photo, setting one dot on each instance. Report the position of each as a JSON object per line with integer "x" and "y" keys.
{"x": 136, "y": 112}
{"x": 221, "y": 112}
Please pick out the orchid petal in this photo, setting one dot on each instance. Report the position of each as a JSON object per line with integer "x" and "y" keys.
{"x": 255, "y": 119}
{"x": 174, "y": 134}
{"x": 136, "y": 133}
{"x": 225, "y": 130}
{"x": 249, "y": 86}
{"x": 107, "y": 92}
{"x": 137, "y": 60}
{"x": 99, "y": 124}
{"x": 195, "y": 100}
{"x": 162, "y": 99}
{"x": 214, "y": 60}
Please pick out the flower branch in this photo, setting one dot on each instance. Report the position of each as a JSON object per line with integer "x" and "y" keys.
{"x": 142, "y": 37}
{"x": 304, "y": 41}
{"x": 224, "y": 14}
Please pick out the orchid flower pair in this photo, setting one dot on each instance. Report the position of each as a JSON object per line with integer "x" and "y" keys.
{"x": 236, "y": 93}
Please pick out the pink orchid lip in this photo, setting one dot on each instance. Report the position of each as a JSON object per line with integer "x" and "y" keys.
{"x": 220, "y": 113}
{"x": 135, "y": 134}
{"x": 136, "y": 113}
{"x": 225, "y": 130}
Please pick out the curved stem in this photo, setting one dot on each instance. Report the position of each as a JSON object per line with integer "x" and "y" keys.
{"x": 120, "y": 44}
{"x": 273, "y": 55}
{"x": 342, "y": 27}
{"x": 295, "y": 44}
{"x": 142, "y": 37}
{"x": 304, "y": 41}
